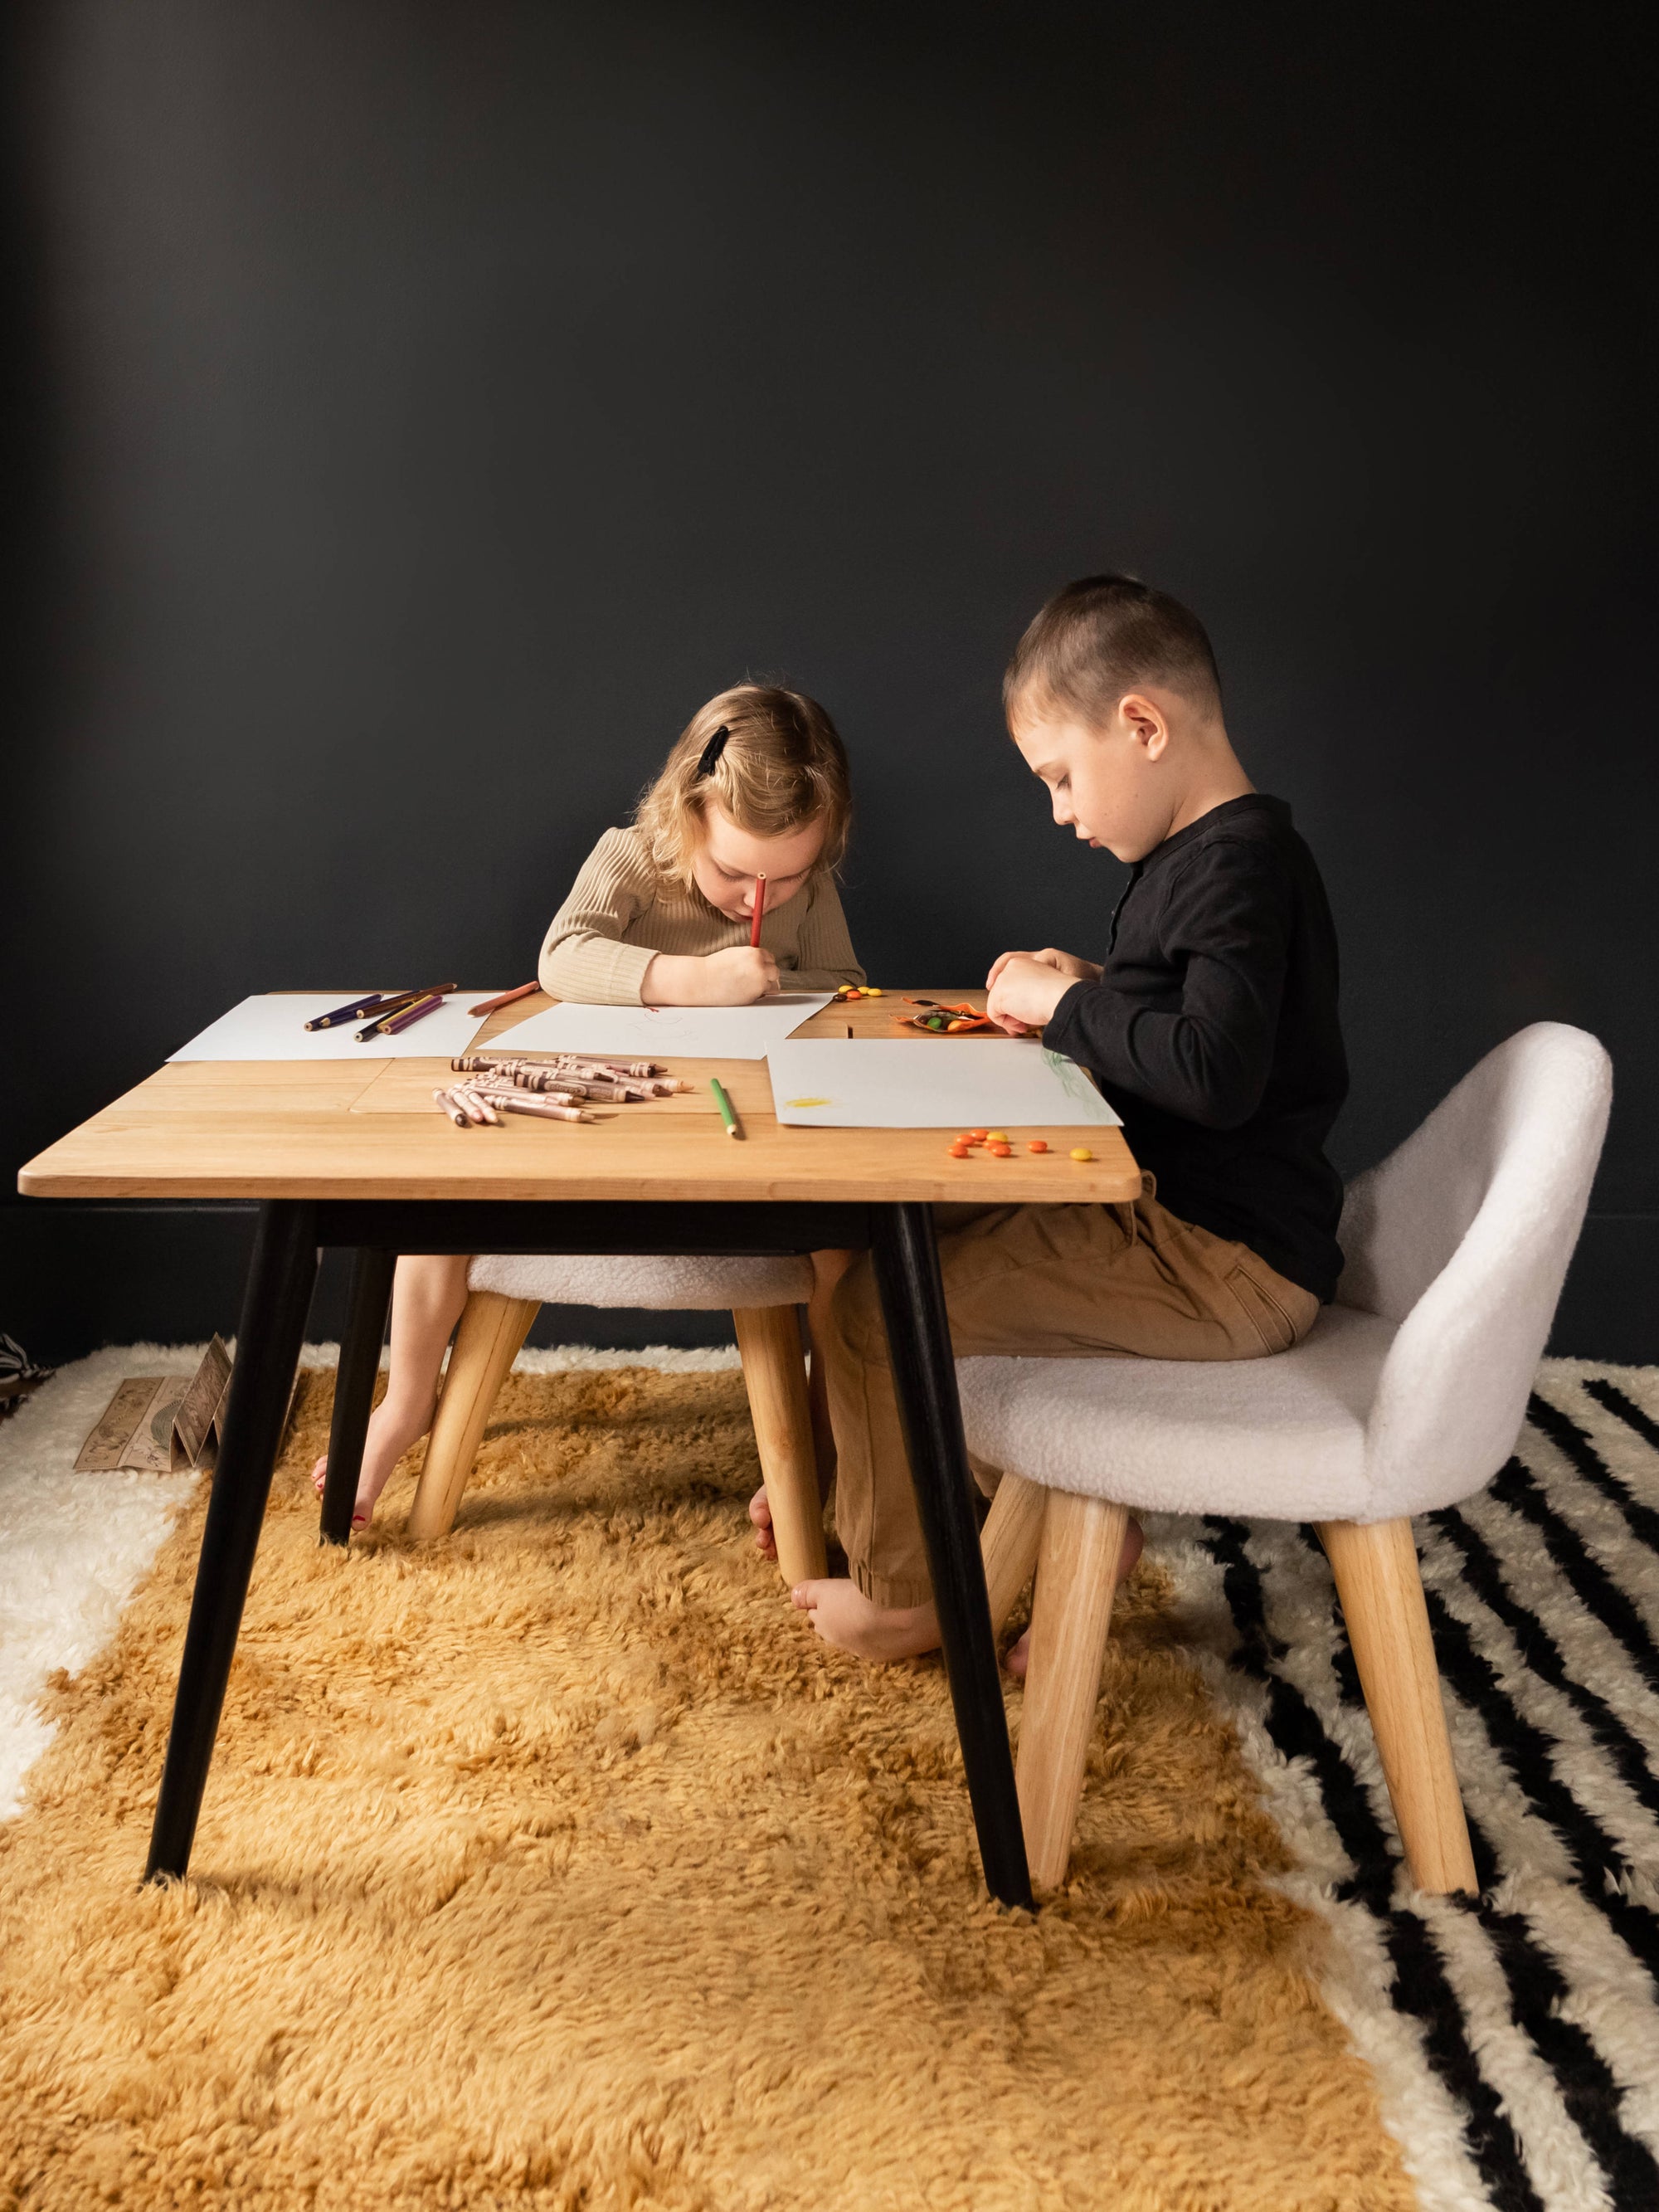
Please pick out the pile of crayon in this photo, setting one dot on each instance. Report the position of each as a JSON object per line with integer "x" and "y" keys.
{"x": 557, "y": 1089}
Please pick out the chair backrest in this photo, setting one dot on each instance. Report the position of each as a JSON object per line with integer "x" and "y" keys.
{"x": 1463, "y": 1236}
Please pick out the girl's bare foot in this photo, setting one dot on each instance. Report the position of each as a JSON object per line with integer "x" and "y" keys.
{"x": 1134, "y": 1543}
{"x": 393, "y": 1427}
{"x": 844, "y": 1616}
{"x": 761, "y": 1514}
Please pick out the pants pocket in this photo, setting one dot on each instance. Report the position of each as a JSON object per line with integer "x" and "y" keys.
{"x": 1266, "y": 1316}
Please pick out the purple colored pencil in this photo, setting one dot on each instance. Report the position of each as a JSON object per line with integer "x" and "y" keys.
{"x": 418, "y": 1012}
{"x": 355, "y": 1011}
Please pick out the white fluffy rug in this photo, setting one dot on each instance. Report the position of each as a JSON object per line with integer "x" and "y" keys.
{"x": 1516, "y": 2040}
{"x": 73, "y": 1546}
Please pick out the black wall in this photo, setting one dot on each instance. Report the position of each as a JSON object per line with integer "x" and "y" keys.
{"x": 418, "y": 410}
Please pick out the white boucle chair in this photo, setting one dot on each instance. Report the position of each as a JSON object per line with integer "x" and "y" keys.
{"x": 1407, "y": 1395}
{"x": 507, "y": 1291}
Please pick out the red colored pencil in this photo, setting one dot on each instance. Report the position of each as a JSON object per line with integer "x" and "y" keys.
{"x": 760, "y": 909}
{"x": 505, "y": 998}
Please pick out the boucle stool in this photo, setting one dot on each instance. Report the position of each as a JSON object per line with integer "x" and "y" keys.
{"x": 1406, "y": 1396}
{"x": 507, "y": 1292}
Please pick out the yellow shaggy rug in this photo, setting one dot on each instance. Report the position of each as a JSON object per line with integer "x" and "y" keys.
{"x": 557, "y": 1865}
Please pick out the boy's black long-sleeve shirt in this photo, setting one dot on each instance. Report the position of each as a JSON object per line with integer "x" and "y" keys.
{"x": 1213, "y": 1031}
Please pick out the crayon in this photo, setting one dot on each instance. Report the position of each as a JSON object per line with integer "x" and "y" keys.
{"x": 760, "y": 909}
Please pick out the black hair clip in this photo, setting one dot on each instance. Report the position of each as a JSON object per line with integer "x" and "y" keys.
{"x": 709, "y": 758}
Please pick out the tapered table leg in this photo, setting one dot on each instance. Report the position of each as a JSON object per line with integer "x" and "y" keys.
{"x": 273, "y": 1307}
{"x": 354, "y": 1388}
{"x": 925, "y": 1376}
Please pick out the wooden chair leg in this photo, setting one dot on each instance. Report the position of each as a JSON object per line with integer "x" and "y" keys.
{"x": 828, "y": 1268}
{"x": 1382, "y": 1594}
{"x": 486, "y": 1345}
{"x": 775, "y": 1370}
{"x": 1009, "y": 1542}
{"x": 1076, "y": 1578}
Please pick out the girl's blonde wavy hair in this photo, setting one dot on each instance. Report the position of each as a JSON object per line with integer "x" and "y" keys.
{"x": 782, "y": 766}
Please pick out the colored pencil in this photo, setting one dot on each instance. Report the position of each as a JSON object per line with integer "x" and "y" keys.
{"x": 504, "y": 998}
{"x": 373, "y": 1002}
{"x": 418, "y": 1012}
{"x": 388, "y": 1009}
{"x": 728, "y": 1111}
{"x": 382, "y": 1024}
{"x": 760, "y": 909}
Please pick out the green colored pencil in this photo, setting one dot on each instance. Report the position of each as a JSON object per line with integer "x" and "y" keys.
{"x": 728, "y": 1111}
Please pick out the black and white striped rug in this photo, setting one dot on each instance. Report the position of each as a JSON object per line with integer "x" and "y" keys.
{"x": 1515, "y": 2041}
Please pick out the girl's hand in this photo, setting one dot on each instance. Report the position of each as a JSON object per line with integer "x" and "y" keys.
{"x": 1068, "y": 963}
{"x": 739, "y": 976}
{"x": 1025, "y": 989}
{"x": 736, "y": 977}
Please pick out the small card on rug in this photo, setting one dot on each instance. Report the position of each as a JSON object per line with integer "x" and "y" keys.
{"x": 162, "y": 1424}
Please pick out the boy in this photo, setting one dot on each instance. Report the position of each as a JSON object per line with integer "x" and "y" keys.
{"x": 1212, "y": 1025}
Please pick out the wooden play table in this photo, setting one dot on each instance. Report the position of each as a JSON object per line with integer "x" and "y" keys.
{"x": 345, "y": 1155}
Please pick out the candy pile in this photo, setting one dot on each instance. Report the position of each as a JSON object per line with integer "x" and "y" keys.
{"x": 557, "y": 1089}
{"x": 939, "y": 1020}
{"x": 996, "y": 1144}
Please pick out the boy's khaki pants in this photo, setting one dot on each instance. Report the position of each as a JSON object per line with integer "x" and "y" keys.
{"x": 1054, "y": 1282}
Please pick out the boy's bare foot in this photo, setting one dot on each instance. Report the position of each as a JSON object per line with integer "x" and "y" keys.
{"x": 392, "y": 1429}
{"x": 1134, "y": 1543}
{"x": 844, "y": 1616}
{"x": 761, "y": 1514}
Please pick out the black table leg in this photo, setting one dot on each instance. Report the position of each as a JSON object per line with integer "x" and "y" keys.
{"x": 354, "y": 1388}
{"x": 273, "y": 1307}
{"x": 924, "y": 1374}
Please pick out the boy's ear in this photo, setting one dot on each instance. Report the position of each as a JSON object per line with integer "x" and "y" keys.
{"x": 1146, "y": 722}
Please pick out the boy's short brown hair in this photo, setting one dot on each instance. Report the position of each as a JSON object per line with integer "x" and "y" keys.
{"x": 1099, "y": 638}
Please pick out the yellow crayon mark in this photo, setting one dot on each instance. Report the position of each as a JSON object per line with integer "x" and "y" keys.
{"x": 809, "y": 1102}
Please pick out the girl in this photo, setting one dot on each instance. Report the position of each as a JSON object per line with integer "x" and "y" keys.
{"x": 659, "y": 916}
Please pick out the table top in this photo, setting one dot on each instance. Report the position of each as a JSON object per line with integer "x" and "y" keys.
{"x": 329, "y": 1130}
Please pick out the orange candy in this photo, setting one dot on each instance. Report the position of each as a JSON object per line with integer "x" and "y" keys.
{"x": 957, "y": 1152}
{"x": 1000, "y": 1152}
{"x": 979, "y": 1135}
{"x": 1037, "y": 1145}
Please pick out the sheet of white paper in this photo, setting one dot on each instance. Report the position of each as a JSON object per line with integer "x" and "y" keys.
{"x": 273, "y": 1027}
{"x": 665, "y": 1032}
{"x": 975, "y": 1083}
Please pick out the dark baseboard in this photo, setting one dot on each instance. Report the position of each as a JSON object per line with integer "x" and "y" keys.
{"x": 74, "y": 1277}
{"x": 1610, "y": 1307}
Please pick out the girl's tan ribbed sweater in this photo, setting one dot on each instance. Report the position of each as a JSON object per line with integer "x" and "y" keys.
{"x": 621, "y": 914}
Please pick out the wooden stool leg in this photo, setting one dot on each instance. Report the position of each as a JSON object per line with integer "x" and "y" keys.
{"x": 1009, "y": 1542}
{"x": 1075, "y": 1579}
{"x": 774, "y": 1370}
{"x": 1382, "y": 1594}
{"x": 486, "y": 1345}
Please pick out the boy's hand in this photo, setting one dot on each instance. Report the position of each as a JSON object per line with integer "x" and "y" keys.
{"x": 1080, "y": 970}
{"x": 1025, "y": 987}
